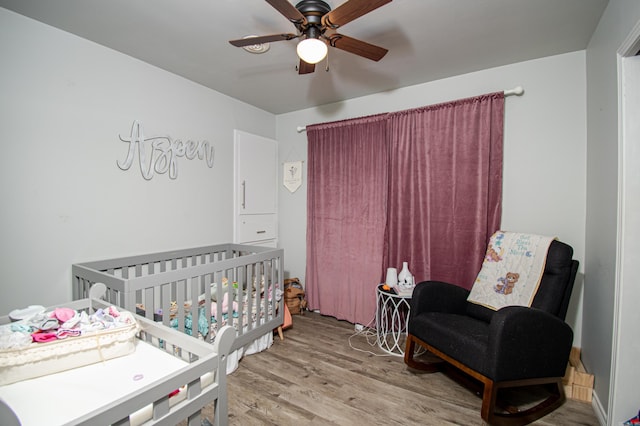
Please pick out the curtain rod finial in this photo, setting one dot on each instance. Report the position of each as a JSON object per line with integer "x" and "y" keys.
{"x": 301, "y": 129}
{"x": 518, "y": 90}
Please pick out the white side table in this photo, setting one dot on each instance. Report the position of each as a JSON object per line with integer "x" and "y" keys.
{"x": 392, "y": 320}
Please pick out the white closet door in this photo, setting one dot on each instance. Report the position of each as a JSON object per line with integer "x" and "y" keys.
{"x": 255, "y": 170}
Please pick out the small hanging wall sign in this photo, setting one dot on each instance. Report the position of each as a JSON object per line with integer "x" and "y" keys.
{"x": 292, "y": 175}
{"x": 163, "y": 154}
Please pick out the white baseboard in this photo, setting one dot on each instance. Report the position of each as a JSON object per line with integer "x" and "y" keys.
{"x": 599, "y": 409}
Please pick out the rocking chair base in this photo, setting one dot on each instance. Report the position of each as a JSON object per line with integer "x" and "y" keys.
{"x": 489, "y": 388}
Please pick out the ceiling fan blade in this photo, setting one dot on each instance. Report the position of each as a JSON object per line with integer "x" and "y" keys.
{"x": 289, "y": 11}
{"x": 306, "y": 68}
{"x": 358, "y": 47}
{"x": 350, "y": 10}
{"x": 250, "y": 41}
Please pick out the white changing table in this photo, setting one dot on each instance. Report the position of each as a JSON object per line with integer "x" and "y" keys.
{"x": 133, "y": 389}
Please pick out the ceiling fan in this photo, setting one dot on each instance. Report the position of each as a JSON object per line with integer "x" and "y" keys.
{"x": 316, "y": 23}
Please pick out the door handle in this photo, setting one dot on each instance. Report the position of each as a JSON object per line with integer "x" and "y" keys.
{"x": 244, "y": 194}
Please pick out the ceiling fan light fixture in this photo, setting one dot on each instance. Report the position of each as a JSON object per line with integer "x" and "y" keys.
{"x": 312, "y": 50}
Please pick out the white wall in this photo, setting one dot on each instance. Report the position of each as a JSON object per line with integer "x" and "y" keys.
{"x": 615, "y": 400}
{"x": 63, "y": 103}
{"x": 545, "y": 151}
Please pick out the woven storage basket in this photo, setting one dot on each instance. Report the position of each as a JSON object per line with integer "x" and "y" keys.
{"x": 40, "y": 359}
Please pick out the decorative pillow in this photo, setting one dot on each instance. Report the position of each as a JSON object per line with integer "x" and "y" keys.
{"x": 511, "y": 270}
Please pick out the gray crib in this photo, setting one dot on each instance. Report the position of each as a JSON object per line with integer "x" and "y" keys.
{"x": 185, "y": 289}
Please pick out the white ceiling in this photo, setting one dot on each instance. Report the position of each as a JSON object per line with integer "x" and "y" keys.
{"x": 427, "y": 40}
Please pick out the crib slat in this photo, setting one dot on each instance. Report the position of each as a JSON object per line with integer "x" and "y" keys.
{"x": 195, "y": 317}
{"x": 166, "y": 304}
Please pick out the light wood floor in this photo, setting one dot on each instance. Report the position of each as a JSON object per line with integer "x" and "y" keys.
{"x": 315, "y": 377}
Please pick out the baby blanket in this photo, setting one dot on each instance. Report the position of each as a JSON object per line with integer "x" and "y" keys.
{"x": 511, "y": 270}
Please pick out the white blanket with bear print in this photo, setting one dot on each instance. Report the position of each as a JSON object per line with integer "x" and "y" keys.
{"x": 511, "y": 270}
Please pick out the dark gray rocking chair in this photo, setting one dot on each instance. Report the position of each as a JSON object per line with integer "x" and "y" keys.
{"x": 512, "y": 347}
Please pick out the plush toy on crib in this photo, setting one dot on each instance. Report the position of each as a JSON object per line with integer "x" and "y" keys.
{"x": 225, "y": 305}
{"x": 257, "y": 288}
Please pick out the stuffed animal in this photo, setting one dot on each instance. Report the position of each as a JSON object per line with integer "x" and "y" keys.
{"x": 214, "y": 290}
{"x": 225, "y": 306}
{"x": 294, "y": 296}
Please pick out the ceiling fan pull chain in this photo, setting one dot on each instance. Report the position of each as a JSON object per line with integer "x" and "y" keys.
{"x": 326, "y": 68}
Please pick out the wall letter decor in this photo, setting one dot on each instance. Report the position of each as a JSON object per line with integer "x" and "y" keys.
{"x": 164, "y": 152}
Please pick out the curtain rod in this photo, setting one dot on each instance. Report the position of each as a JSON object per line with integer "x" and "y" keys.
{"x": 517, "y": 91}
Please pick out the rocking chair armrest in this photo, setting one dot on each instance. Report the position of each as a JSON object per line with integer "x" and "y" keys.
{"x": 527, "y": 343}
{"x": 438, "y": 296}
